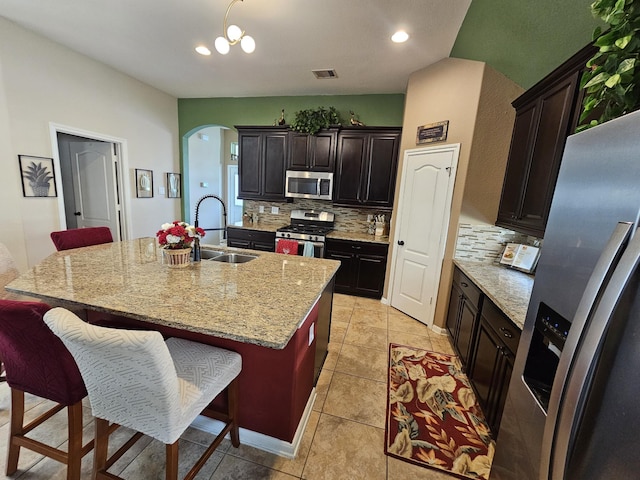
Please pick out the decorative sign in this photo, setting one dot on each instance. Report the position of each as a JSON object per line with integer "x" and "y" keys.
{"x": 433, "y": 132}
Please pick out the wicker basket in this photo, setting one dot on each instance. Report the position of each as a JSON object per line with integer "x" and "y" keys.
{"x": 177, "y": 258}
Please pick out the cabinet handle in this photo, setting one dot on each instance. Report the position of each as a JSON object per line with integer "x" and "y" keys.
{"x": 464, "y": 284}
{"x": 506, "y": 332}
{"x": 400, "y": 242}
{"x": 356, "y": 247}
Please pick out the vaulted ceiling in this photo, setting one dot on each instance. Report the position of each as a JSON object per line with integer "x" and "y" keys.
{"x": 154, "y": 40}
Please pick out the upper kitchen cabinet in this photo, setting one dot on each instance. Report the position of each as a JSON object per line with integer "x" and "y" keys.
{"x": 312, "y": 152}
{"x": 545, "y": 115}
{"x": 366, "y": 166}
{"x": 262, "y": 155}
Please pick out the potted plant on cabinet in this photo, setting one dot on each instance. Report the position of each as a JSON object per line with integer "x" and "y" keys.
{"x": 612, "y": 81}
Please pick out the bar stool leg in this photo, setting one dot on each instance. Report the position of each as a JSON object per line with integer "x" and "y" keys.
{"x": 16, "y": 428}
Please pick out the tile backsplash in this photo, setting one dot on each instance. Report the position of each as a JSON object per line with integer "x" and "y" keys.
{"x": 485, "y": 243}
{"x": 353, "y": 220}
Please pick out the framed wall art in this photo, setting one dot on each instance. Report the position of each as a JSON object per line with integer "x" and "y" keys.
{"x": 434, "y": 132}
{"x": 144, "y": 183}
{"x": 173, "y": 185}
{"x": 38, "y": 176}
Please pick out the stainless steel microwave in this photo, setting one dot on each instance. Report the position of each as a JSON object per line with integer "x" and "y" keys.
{"x": 318, "y": 185}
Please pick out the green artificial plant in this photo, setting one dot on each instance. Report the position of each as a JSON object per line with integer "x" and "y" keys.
{"x": 612, "y": 80}
{"x": 313, "y": 120}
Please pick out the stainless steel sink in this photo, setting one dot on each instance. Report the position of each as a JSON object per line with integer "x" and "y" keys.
{"x": 208, "y": 254}
{"x": 233, "y": 258}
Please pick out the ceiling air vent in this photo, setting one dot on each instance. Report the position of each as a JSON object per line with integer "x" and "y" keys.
{"x": 322, "y": 74}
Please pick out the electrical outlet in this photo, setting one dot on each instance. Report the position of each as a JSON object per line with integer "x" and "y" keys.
{"x": 261, "y": 209}
{"x": 275, "y": 210}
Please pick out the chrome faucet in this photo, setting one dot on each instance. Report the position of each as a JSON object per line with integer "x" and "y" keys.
{"x": 196, "y": 250}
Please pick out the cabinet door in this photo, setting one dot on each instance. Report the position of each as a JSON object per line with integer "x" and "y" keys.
{"x": 488, "y": 354}
{"x": 370, "y": 273}
{"x": 249, "y": 164}
{"x": 344, "y": 275}
{"x": 349, "y": 168}
{"x": 455, "y": 302}
{"x": 275, "y": 150}
{"x": 555, "y": 112}
{"x": 502, "y": 387}
{"x": 466, "y": 330}
{"x": 322, "y": 155}
{"x": 517, "y": 165}
{"x": 298, "y": 151}
{"x": 379, "y": 178}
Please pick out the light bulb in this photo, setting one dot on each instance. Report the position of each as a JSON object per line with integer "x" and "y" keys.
{"x": 234, "y": 33}
{"x": 202, "y": 50}
{"x": 248, "y": 44}
{"x": 400, "y": 36}
{"x": 222, "y": 46}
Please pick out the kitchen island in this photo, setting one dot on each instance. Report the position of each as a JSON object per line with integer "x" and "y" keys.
{"x": 274, "y": 310}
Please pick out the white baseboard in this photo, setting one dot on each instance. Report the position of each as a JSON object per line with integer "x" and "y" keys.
{"x": 259, "y": 440}
{"x": 439, "y": 330}
{"x": 384, "y": 301}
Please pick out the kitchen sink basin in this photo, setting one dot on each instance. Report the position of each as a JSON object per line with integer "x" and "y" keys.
{"x": 233, "y": 258}
{"x": 208, "y": 254}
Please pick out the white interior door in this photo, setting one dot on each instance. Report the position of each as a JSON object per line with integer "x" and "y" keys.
{"x": 424, "y": 205}
{"x": 92, "y": 166}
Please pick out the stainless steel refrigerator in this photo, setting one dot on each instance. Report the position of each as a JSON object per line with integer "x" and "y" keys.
{"x": 573, "y": 406}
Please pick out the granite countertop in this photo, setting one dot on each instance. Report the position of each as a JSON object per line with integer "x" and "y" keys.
{"x": 261, "y": 302}
{"x": 509, "y": 289}
{"x": 337, "y": 234}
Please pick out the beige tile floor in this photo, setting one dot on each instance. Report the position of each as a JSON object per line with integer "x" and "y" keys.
{"x": 343, "y": 440}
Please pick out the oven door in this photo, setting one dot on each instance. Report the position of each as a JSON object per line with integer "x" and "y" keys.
{"x": 318, "y": 247}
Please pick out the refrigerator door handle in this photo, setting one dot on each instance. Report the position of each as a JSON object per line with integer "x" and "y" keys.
{"x": 593, "y": 292}
{"x": 581, "y": 374}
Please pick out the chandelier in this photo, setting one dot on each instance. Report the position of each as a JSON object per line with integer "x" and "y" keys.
{"x": 233, "y": 35}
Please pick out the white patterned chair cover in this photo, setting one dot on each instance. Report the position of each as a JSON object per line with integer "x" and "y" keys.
{"x": 136, "y": 379}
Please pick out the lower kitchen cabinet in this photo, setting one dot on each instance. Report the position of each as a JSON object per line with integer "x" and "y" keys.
{"x": 463, "y": 315}
{"x": 362, "y": 269}
{"x": 252, "y": 239}
{"x": 496, "y": 344}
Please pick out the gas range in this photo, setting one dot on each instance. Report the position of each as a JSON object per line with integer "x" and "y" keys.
{"x": 307, "y": 225}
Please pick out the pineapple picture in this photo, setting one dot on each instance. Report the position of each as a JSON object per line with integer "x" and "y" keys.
{"x": 39, "y": 178}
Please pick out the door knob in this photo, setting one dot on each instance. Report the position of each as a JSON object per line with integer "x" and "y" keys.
{"x": 400, "y": 242}
{"x": 77, "y": 214}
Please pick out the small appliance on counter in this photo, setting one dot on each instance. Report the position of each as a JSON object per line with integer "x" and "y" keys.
{"x": 309, "y": 229}
{"x": 521, "y": 257}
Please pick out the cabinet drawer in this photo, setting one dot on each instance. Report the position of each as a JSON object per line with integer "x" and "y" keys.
{"x": 356, "y": 247}
{"x": 468, "y": 288}
{"x": 502, "y": 326}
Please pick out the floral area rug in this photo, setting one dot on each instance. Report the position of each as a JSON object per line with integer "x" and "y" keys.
{"x": 433, "y": 418}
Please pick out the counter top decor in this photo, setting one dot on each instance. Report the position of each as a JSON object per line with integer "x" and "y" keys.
{"x": 178, "y": 235}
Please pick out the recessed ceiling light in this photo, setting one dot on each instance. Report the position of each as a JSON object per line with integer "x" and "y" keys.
{"x": 202, "y": 50}
{"x": 400, "y": 36}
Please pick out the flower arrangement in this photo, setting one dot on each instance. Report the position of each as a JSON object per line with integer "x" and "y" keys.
{"x": 178, "y": 234}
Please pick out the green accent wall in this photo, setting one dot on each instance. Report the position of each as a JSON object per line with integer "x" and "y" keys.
{"x": 524, "y": 40}
{"x": 374, "y": 110}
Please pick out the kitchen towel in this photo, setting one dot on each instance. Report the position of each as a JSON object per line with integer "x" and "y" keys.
{"x": 308, "y": 250}
{"x": 289, "y": 247}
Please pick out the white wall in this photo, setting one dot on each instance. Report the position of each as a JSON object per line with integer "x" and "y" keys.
{"x": 42, "y": 83}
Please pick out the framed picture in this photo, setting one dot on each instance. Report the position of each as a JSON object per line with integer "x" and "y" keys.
{"x": 144, "y": 183}
{"x": 434, "y": 132}
{"x": 38, "y": 177}
{"x": 173, "y": 185}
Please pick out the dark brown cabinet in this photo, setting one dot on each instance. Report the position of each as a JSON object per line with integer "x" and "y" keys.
{"x": 262, "y": 155}
{"x": 366, "y": 166}
{"x": 463, "y": 315}
{"x": 252, "y": 239}
{"x": 496, "y": 344}
{"x": 312, "y": 152}
{"x": 545, "y": 115}
{"x": 362, "y": 269}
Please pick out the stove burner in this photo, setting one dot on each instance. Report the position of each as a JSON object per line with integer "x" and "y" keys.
{"x": 307, "y": 225}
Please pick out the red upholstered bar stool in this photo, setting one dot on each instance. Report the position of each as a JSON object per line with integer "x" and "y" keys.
{"x": 287, "y": 246}
{"x": 81, "y": 237}
{"x": 37, "y": 362}
{"x": 138, "y": 380}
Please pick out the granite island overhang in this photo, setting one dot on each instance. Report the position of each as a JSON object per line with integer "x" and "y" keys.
{"x": 274, "y": 310}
